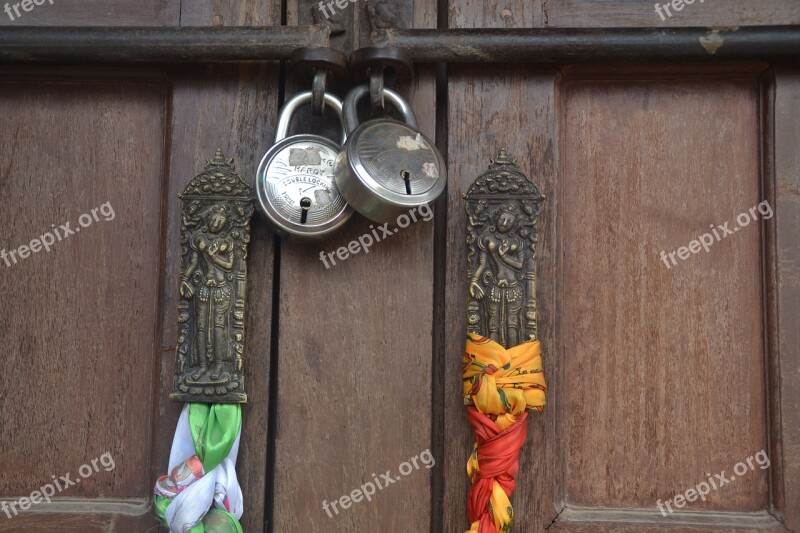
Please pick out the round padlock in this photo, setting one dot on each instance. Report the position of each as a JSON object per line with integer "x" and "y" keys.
{"x": 295, "y": 182}
{"x": 387, "y": 167}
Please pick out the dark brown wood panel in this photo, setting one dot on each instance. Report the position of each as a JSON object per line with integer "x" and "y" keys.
{"x": 354, "y": 390}
{"x": 621, "y": 13}
{"x": 237, "y": 13}
{"x": 737, "y": 524}
{"x": 232, "y": 107}
{"x": 665, "y": 365}
{"x": 501, "y": 108}
{"x": 490, "y": 108}
{"x": 512, "y": 14}
{"x": 83, "y": 13}
{"x": 56, "y": 522}
{"x": 614, "y": 13}
{"x": 656, "y": 375}
{"x": 82, "y": 319}
{"x": 785, "y": 292}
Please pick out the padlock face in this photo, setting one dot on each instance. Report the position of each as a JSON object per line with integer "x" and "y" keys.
{"x": 296, "y": 187}
{"x": 398, "y": 158}
{"x": 388, "y": 168}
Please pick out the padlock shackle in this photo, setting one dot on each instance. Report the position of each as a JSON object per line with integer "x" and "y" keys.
{"x": 298, "y": 101}
{"x": 359, "y": 92}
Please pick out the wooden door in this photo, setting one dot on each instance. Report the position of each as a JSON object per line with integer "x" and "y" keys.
{"x": 663, "y": 374}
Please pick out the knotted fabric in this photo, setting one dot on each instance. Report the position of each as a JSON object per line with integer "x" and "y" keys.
{"x": 201, "y": 494}
{"x": 499, "y": 385}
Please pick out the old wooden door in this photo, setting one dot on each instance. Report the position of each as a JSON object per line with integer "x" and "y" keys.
{"x": 666, "y": 370}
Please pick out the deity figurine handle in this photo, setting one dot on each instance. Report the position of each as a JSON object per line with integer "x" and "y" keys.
{"x": 216, "y": 208}
{"x": 502, "y": 209}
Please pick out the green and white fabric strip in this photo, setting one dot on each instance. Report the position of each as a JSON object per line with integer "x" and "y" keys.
{"x": 201, "y": 494}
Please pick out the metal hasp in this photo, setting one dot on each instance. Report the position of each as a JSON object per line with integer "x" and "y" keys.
{"x": 216, "y": 208}
{"x": 502, "y": 208}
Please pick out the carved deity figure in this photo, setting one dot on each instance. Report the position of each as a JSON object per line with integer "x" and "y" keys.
{"x": 216, "y": 207}
{"x": 213, "y": 259}
{"x": 501, "y": 285}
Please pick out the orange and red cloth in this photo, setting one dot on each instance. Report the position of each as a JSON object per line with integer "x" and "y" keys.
{"x": 499, "y": 386}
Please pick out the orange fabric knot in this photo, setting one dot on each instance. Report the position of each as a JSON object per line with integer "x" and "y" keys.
{"x": 499, "y": 385}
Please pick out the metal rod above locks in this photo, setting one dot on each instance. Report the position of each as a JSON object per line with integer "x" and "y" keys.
{"x": 550, "y": 45}
{"x": 152, "y": 44}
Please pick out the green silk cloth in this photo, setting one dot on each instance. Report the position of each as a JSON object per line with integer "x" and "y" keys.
{"x": 214, "y": 429}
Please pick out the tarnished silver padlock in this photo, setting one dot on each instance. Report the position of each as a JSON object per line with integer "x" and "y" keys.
{"x": 295, "y": 182}
{"x": 386, "y": 167}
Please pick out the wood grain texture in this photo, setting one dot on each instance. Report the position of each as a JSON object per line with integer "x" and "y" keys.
{"x": 646, "y": 158}
{"x": 506, "y": 14}
{"x": 616, "y": 13}
{"x": 232, "y": 107}
{"x": 243, "y": 100}
{"x": 622, "y": 527}
{"x": 237, "y": 13}
{"x": 501, "y": 108}
{"x": 106, "y": 13}
{"x": 785, "y": 291}
{"x": 354, "y": 390}
{"x": 664, "y": 365}
{"x": 81, "y": 321}
{"x": 65, "y": 523}
{"x": 97, "y": 521}
{"x": 575, "y": 519}
{"x": 493, "y": 110}
{"x": 490, "y": 108}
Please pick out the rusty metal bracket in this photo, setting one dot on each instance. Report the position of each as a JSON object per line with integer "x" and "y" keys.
{"x": 379, "y": 67}
{"x": 316, "y": 66}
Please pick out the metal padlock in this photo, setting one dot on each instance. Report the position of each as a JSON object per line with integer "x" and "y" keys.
{"x": 295, "y": 180}
{"x": 386, "y": 167}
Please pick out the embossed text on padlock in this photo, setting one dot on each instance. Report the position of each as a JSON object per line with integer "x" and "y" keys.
{"x": 295, "y": 182}
{"x": 387, "y": 167}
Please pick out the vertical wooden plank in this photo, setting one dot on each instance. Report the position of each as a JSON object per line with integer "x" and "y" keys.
{"x": 231, "y": 107}
{"x": 663, "y": 360}
{"x": 354, "y": 384}
{"x": 84, "y": 160}
{"x": 489, "y": 109}
{"x": 506, "y": 14}
{"x": 91, "y": 13}
{"x": 622, "y": 13}
{"x": 784, "y": 290}
{"x": 513, "y": 109}
{"x": 80, "y": 315}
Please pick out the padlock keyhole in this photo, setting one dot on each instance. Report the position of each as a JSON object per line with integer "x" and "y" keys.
{"x": 406, "y": 175}
{"x": 305, "y": 205}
